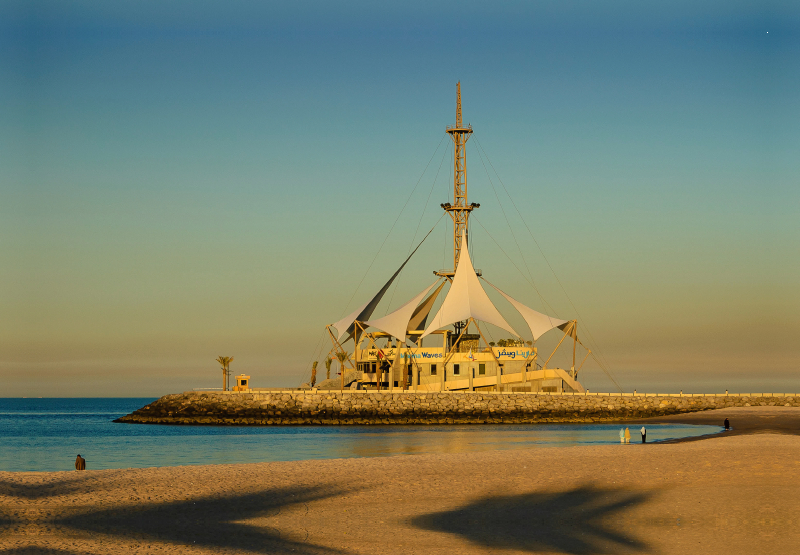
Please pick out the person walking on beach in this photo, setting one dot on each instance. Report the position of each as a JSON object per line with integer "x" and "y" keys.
{"x": 621, "y": 435}
{"x": 627, "y": 435}
{"x": 644, "y": 435}
{"x": 727, "y": 425}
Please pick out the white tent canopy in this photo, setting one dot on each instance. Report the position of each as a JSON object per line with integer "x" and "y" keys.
{"x": 420, "y": 316}
{"x": 466, "y": 299}
{"x": 363, "y": 313}
{"x": 537, "y": 322}
{"x": 396, "y": 323}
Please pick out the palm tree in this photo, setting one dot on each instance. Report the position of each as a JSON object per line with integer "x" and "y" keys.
{"x": 342, "y": 356}
{"x": 328, "y": 361}
{"x": 225, "y": 362}
{"x": 314, "y": 373}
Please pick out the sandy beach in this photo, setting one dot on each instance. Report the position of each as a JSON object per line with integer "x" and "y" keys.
{"x": 730, "y": 493}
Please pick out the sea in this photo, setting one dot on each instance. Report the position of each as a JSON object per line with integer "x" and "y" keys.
{"x": 47, "y": 434}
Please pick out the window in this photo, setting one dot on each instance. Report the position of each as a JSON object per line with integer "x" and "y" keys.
{"x": 456, "y": 369}
{"x": 481, "y": 369}
{"x": 433, "y": 369}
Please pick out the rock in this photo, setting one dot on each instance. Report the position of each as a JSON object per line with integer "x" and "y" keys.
{"x": 360, "y": 407}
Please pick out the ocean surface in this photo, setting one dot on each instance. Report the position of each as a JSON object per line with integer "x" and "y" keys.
{"x": 47, "y": 434}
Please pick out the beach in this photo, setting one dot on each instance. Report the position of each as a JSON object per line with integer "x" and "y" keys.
{"x": 734, "y": 492}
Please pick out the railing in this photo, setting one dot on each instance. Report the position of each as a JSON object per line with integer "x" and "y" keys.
{"x": 448, "y": 271}
{"x": 552, "y": 393}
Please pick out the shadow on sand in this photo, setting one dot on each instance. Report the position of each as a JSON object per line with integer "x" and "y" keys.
{"x": 77, "y": 484}
{"x": 31, "y": 550}
{"x": 210, "y": 522}
{"x": 581, "y": 521}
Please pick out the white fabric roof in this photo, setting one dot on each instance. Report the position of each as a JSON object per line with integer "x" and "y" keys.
{"x": 466, "y": 299}
{"x": 538, "y": 323}
{"x": 396, "y": 323}
{"x": 342, "y": 325}
{"x": 422, "y": 312}
{"x": 363, "y": 313}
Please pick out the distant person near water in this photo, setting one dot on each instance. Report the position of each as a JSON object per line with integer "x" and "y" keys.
{"x": 80, "y": 463}
{"x": 644, "y": 434}
{"x": 727, "y": 425}
{"x": 627, "y": 435}
{"x": 621, "y": 435}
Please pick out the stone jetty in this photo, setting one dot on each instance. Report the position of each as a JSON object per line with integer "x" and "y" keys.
{"x": 298, "y": 407}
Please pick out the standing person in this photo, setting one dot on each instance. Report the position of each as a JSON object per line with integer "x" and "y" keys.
{"x": 644, "y": 435}
{"x": 627, "y": 435}
{"x": 727, "y": 425}
{"x": 621, "y": 435}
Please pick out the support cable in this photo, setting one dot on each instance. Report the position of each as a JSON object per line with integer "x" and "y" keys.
{"x": 392, "y": 228}
{"x": 599, "y": 363}
{"x": 315, "y": 357}
{"x": 563, "y": 289}
{"x": 550, "y": 308}
{"x": 532, "y": 281}
{"x": 414, "y": 240}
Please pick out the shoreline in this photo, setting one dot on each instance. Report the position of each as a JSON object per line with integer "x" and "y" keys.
{"x": 744, "y": 421}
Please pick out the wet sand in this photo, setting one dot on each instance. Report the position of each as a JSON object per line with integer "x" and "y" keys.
{"x": 731, "y": 493}
{"x": 743, "y": 420}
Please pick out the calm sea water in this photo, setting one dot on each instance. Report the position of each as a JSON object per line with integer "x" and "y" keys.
{"x": 46, "y": 434}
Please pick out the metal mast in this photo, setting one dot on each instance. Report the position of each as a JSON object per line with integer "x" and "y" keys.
{"x": 459, "y": 210}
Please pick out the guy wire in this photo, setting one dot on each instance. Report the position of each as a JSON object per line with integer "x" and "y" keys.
{"x": 392, "y": 228}
{"x": 563, "y": 289}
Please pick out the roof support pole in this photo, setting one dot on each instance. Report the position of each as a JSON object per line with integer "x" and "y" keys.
{"x": 574, "y": 346}
{"x": 581, "y": 366}
{"x": 356, "y": 342}
{"x": 568, "y": 330}
{"x": 393, "y": 367}
{"x": 416, "y": 370}
{"x": 448, "y": 354}
{"x": 531, "y": 355}
{"x": 336, "y": 345}
{"x": 499, "y": 368}
{"x": 444, "y": 367}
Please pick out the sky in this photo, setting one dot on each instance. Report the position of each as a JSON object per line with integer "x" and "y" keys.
{"x": 183, "y": 180}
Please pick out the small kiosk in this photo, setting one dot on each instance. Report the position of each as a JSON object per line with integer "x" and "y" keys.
{"x": 242, "y": 383}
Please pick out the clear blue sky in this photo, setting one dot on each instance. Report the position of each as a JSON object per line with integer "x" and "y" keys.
{"x": 182, "y": 180}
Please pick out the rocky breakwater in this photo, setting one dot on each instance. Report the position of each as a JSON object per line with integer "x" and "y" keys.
{"x": 360, "y": 407}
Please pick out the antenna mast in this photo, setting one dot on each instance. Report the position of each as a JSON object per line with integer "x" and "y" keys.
{"x": 459, "y": 210}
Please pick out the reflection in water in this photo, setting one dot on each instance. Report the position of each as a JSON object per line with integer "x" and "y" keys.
{"x": 407, "y": 440}
{"x": 46, "y": 434}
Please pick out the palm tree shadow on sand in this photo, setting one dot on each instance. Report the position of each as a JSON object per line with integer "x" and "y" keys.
{"x": 582, "y": 521}
{"x": 211, "y": 522}
{"x": 76, "y": 484}
{"x": 31, "y": 550}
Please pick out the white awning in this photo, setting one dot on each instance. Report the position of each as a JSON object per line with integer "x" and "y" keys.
{"x": 420, "y": 316}
{"x": 466, "y": 299}
{"x": 346, "y": 324}
{"x": 537, "y": 322}
{"x": 396, "y": 323}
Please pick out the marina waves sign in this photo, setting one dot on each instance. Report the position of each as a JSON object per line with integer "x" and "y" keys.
{"x": 434, "y": 354}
